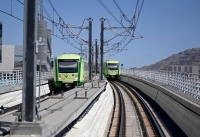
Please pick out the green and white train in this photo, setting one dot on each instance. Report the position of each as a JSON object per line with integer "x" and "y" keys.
{"x": 112, "y": 69}
{"x": 70, "y": 70}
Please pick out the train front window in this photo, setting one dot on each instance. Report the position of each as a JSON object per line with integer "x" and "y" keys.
{"x": 113, "y": 66}
{"x": 68, "y": 67}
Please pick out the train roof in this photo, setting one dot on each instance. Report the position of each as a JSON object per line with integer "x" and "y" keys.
{"x": 69, "y": 56}
{"x": 112, "y": 61}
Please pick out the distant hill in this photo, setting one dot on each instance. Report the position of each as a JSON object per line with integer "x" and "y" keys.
{"x": 189, "y": 57}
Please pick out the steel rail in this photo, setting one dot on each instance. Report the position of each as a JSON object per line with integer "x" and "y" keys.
{"x": 121, "y": 126}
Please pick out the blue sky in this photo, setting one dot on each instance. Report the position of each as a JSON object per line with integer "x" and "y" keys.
{"x": 168, "y": 26}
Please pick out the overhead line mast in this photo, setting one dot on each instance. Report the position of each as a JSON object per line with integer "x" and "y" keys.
{"x": 129, "y": 31}
{"x": 101, "y": 48}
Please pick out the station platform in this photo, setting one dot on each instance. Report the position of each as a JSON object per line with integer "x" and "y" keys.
{"x": 58, "y": 111}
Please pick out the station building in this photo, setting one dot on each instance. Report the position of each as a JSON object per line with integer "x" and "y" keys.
{"x": 12, "y": 58}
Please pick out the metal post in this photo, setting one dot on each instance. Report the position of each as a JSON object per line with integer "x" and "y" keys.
{"x": 29, "y": 60}
{"x": 1, "y": 42}
{"x": 62, "y": 93}
{"x": 81, "y": 52}
{"x": 39, "y": 84}
{"x": 52, "y": 92}
{"x": 85, "y": 92}
{"x": 92, "y": 57}
{"x": 41, "y": 10}
{"x": 90, "y": 46}
{"x": 102, "y": 37}
{"x": 96, "y": 56}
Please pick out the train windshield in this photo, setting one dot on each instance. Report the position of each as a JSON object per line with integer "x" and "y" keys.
{"x": 113, "y": 66}
{"x": 68, "y": 67}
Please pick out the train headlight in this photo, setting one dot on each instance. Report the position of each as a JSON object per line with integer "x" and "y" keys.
{"x": 59, "y": 76}
{"x": 76, "y": 76}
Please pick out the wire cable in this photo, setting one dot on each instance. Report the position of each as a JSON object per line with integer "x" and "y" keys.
{"x": 11, "y": 15}
{"x": 110, "y": 12}
{"x": 20, "y": 2}
{"x": 122, "y": 13}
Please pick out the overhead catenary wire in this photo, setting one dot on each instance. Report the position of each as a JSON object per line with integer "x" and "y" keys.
{"x": 11, "y": 7}
{"x": 20, "y": 2}
{"x": 60, "y": 26}
{"x": 122, "y": 13}
{"x": 61, "y": 20}
{"x": 135, "y": 17}
{"x": 11, "y": 15}
{"x": 110, "y": 12}
{"x": 110, "y": 26}
{"x": 74, "y": 39}
{"x": 116, "y": 45}
{"x": 129, "y": 33}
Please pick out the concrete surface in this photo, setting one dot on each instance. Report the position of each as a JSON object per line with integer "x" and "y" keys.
{"x": 96, "y": 122}
{"x": 58, "y": 113}
{"x": 11, "y": 99}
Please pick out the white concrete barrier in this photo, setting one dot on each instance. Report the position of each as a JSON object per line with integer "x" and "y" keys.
{"x": 96, "y": 122}
{"x": 14, "y": 98}
{"x": 183, "y": 112}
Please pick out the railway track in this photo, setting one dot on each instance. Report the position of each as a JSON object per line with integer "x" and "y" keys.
{"x": 131, "y": 115}
{"x": 117, "y": 127}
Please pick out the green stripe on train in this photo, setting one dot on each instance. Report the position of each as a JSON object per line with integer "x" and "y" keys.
{"x": 56, "y": 70}
{"x": 79, "y": 72}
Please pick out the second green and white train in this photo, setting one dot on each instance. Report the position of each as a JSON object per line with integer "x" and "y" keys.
{"x": 112, "y": 69}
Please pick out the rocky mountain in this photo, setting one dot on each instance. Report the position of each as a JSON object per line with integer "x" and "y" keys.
{"x": 190, "y": 57}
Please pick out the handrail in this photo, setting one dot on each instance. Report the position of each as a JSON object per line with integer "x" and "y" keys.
{"x": 186, "y": 83}
{"x": 15, "y": 77}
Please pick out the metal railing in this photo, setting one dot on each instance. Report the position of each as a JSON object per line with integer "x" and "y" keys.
{"x": 186, "y": 83}
{"x": 11, "y": 78}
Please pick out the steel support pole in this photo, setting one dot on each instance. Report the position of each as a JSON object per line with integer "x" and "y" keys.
{"x": 92, "y": 57}
{"x": 90, "y": 48}
{"x": 1, "y": 30}
{"x": 39, "y": 85}
{"x": 41, "y": 10}
{"x": 29, "y": 60}
{"x": 101, "y": 39}
{"x": 96, "y": 56}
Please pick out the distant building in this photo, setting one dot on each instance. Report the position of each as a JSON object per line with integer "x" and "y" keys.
{"x": 12, "y": 58}
{"x": 184, "y": 69}
{"x": 18, "y": 54}
{"x": 18, "y": 59}
{"x": 7, "y": 57}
